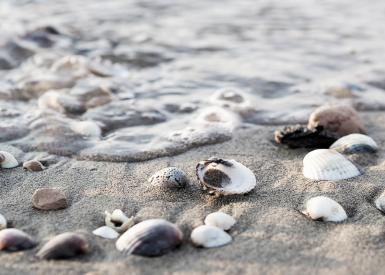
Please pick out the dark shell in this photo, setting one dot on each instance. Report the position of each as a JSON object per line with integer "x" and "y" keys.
{"x": 33, "y": 166}
{"x": 12, "y": 239}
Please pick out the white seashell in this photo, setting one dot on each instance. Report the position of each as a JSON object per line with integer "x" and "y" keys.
{"x": 86, "y": 128}
{"x": 327, "y": 164}
{"x": 3, "y": 222}
{"x": 355, "y": 143}
{"x": 209, "y": 236}
{"x": 380, "y": 202}
{"x": 220, "y": 220}
{"x": 118, "y": 220}
{"x": 170, "y": 177}
{"x": 106, "y": 232}
{"x": 225, "y": 176}
{"x": 153, "y": 237}
{"x": 7, "y": 160}
{"x": 324, "y": 208}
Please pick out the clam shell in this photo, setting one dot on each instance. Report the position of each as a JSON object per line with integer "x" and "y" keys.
{"x": 118, "y": 220}
{"x": 63, "y": 246}
{"x": 325, "y": 209}
{"x": 170, "y": 177}
{"x": 225, "y": 176}
{"x": 7, "y": 160}
{"x": 106, "y": 232}
{"x": 12, "y": 239}
{"x": 33, "y": 166}
{"x": 3, "y": 222}
{"x": 151, "y": 238}
{"x": 355, "y": 143}
{"x": 209, "y": 236}
{"x": 327, "y": 164}
{"x": 220, "y": 220}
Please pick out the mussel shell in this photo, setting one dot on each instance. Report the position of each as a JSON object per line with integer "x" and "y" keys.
{"x": 12, "y": 239}
{"x": 150, "y": 238}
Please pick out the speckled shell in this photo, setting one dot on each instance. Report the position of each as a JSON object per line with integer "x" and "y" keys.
{"x": 170, "y": 177}
{"x": 355, "y": 143}
{"x": 324, "y": 208}
{"x": 209, "y": 236}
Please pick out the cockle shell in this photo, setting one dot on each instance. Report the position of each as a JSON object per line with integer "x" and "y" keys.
{"x": 33, "y": 165}
{"x": 86, "y": 128}
{"x": 324, "y": 208}
{"x": 225, "y": 176}
{"x": 170, "y": 177}
{"x": 7, "y": 160}
{"x": 106, "y": 232}
{"x": 3, "y": 222}
{"x": 209, "y": 236}
{"x": 118, "y": 221}
{"x": 151, "y": 238}
{"x": 63, "y": 246}
{"x": 12, "y": 239}
{"x": 355, "y": 143}
{"x": 220, "y": 220}
{"x": 327, "y": 164}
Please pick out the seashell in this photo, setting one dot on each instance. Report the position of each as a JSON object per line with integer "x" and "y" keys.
{"x": 325, "y": 209}
{"x": 380, "y": 202}
{"x": 64, "y": 246}
{"x": 118, "y": 220}
{"x": 328, "y": 164}
{"x": 220, "y": 220}
{"x": 338, "y": 119}
{"x": 86, "y": 128}
{"x": 170, "y": 177}
{"x": 106, "y": 232}
{"x": 355, "y": 143}
{"x": 12, "y": 239}
{"x": 7, "y": 160}
{"x": 150, "y": 238}
{"x": 225, "y": 176}
{"x": 33, "y": 166}
{"x": 3, "y": 222}
{"x": 209, "y": 236}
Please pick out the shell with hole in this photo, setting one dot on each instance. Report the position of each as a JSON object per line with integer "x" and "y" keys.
{"x": 325, "y": 209}
{"x": 225, "y": 177}
{"x": 355, "y": 143}
{"x": 209, "y": 236}
{"x": 220, "y": 220}
{"x": 7, "y": 160}
{"x": 328, "y": 164}
{"x": 118, "y": 221}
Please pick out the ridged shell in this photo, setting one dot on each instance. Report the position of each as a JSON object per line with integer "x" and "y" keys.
{"x": 225, "y": 176}
{"x": 220, "y": 220}
{"x": 170, "y": 177}
{"x": 7, "y": 160}
{"x": 324, "y": 208}
{"x": 327, "y": 164}
{"x": 150, "y": 238}
{"x": 118, "y": 221}
{"x": 12, "y": 239}
{"x": 355, "y": 143}
{"x": 106, "y": 232}
{"x": 209, "y": 236}
{"x": 3, "y": 222}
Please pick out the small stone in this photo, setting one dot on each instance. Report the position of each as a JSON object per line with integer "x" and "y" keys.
{"x": 33, "y": 166}
{"x": 49, "y": 199}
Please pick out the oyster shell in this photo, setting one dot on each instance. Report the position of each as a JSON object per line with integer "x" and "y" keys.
{"x": 225, "y": 176}
{"x": 118, "y": 221}
{"x": 325, "y": 209}
{"x": 209, "y": 236}
{"x": 12, "y": 239}
{"x": 170, "y": 177}
{"x": 220, "y": 220}
{"x": 355, "y": 143}
{"x": 7, "y": 160}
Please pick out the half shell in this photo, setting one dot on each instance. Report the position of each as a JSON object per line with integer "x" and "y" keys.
{"x": 324, "y": 208}
{"x": 12, "y": 239}
{"x": 118, "y": 220}
{"x": 209, "y": 236}
{"x": 327, "y": 164}
{"x": 355, "y": 143}
{"x": 7, "y": 160}
{"x": 220, "y": 220}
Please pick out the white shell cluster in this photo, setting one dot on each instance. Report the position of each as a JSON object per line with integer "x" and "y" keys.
{"x": 118, "y": 221}
{"x": 7, "y": 160}
{"x": 225, "y": 176}
{"x": 324, "y": 208}
{"x": 355, "y": 143}
{"x": 169, "y": 177}
{"x": 209, "y": 236}
{"x": 328, "y": 164}
{"x": 220, "y": 220}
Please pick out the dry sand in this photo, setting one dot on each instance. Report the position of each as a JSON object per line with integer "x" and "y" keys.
{"x": 270, "y": 237}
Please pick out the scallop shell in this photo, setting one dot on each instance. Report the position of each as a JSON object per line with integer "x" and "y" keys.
{"x": 106, "y": 232}
{"x": 151, "y": 238}
{"x": 118, "y": 221}
{"x": 170, "y": 177}
{"x": 12, "y": 239}
{"x": 355, "y": 143}
{"x": 327, "y": 164}
{"x": 7, "y": 160}
{"x": 220, "y": 220}
{"x": 63, "y": 246}
{"x": 3, "y": 222}
{"x": 324, "y": 208}
{"x": 33, "y": 166}
{"x": 209, "y": 236}
{"x": 225, "y": 176}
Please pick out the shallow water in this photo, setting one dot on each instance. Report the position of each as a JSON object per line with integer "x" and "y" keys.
{"x": 156, "y": 78}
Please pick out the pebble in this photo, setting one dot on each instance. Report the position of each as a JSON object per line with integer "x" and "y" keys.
{"x": 49, "y": 199}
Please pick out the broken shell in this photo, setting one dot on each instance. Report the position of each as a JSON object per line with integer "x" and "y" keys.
{"x": 220, "y": 220}
{"x": 170, "y": 177}
{"x": 63, "y": 246}
{"x": 3, "y": 222}
{"x": 106, "y": 232}
{"x": 118, "y": 220}
{"x": 325, "y": 209}
{"x": 209, "y": 236}
{"x": 33, "y": 166}
{"x": 86, "y": 128}
{"x": 225, "y": 176}
{"x": 328, "y": 164}
{"x": 7, "y": 160}
{"x": 355, "y": 143}
{"x": 12, "y": 239}
{"x": 338, "y": 119}
{"x": 151, "y": 238}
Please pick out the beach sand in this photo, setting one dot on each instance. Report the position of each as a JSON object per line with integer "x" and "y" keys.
{"x": 271, "y": 236}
